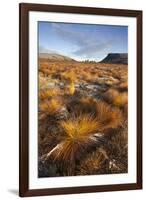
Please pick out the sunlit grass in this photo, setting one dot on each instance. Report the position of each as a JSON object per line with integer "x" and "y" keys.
{"x": 69, "y": 76}
{"x": 78, "y": 128}
{"x": 116, "y": 98}
{"x": 108, "y": 117}
{"x": 45, "y": 93}
{"x": 121, "y": 99}
{"x": 78, "y": 136}
{"x": 74, "y": 124}
{"x": 71, "y": 88}
{"x": 123, "y": 86}
{"x": 51, "y": 107}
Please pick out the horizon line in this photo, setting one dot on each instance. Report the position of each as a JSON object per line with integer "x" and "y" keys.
{"x": 81, "y": 60}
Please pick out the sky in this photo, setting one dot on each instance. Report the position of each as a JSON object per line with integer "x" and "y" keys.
{"x": 82, "y": 41}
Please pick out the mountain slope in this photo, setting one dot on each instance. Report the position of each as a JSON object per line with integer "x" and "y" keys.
{"x": 54, "y": 56}
{"x": 116, "y": 58}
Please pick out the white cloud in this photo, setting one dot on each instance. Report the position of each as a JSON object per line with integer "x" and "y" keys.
{"x": 86, "y": 45}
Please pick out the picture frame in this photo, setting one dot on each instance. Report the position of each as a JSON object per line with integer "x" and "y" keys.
{"x": 25, "y": 152}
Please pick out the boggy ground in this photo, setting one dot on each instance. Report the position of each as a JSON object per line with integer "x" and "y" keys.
{"x": 82, "y": 118}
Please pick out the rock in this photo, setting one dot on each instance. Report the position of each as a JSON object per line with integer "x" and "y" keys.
{"x": 92, "y": 87}
{"x": 48, "y": 85}
{"x": 62, "y": 114}
{"x": 46, "y": 170}
{"x": 89, "y": 89}
{"x": 53, "y": 129}
{"x": 61, "y": 85}
{"x": 108, "y": 81}
{"x": 51, "y": 85}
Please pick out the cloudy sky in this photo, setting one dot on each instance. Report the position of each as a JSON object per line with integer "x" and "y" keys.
{"x": 81, "y": 41}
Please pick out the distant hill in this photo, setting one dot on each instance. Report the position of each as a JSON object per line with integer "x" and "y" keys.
{"x": 54, "y": 56}
{"x": 116, "y": 58}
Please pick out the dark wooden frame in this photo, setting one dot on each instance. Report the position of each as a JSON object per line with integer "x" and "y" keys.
{"x": 24, "y": 9}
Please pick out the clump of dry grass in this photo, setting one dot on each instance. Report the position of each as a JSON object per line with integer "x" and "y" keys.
{"x": 117, "y": 150}
{"x": 51, "y": 107}
{"x": 82, "y": 105}
{"x": 116, "y": 98}
{"x": 78, "y": 136}
{"x": 110, "y": 118}
{"x": 110, "y": 94}
{"x": 88, "y": 100}
{"x": 69, "y": 76}
{"x": 71, "y": 88}
{"x": 78, "y": 128}
{"x": 121, "y": 99}
{"x": 123, "y": 86}
{"x": 110, "y": 157}
{"x": 46, "y": 93}
{"x": 94, "y": 163}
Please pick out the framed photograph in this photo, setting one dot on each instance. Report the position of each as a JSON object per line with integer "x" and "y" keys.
{"x": 80, "y": 99}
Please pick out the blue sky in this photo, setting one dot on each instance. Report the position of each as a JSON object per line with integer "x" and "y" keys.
{"x": 82, "y": 41}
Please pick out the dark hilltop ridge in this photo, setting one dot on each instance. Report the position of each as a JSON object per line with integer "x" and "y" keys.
{"x": 116, "y": 58}
{"x": 55, "y": 57}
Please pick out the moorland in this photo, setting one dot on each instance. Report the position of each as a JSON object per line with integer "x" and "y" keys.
{"x": 82, "y": 118}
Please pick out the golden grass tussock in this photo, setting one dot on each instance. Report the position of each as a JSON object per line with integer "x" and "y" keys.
{"x": 116, "y": 98}
{"x": 121, "y": 99}
{"x": 78, "y": 136}
{"x": 51, "y": 107}
{"x": 88, "y": 100}
{"x": 77, "y": 128}
{"x": 123, "y": 86}
{"x": 46, "y": 93}
{"x": 110, "y": 118}
{"x": 71, "y": 88}
{"x": 69, "y": 76}
{"x": 110, "y": 94}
